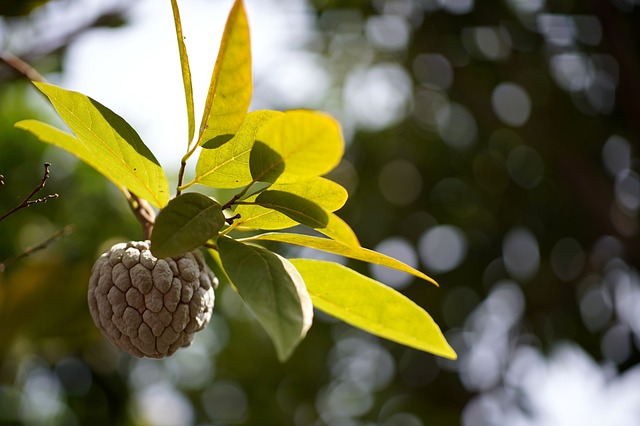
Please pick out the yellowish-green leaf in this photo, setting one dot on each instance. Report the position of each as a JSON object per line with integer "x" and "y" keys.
{"x": 103, "y": 140}
{"x": 296, "y": 145}
{"x": 186, "y": 72}
{"x": 336, "y": 247}
{"x": 324, "y": 192}
{"x": 226, "y": 165}
{"x": 371, "y": 306}
{"x": 297, "y": 209}
{"x": 230, "y": 89}
{"x": 272, "y": 288}
{"x": 255, "y": 216}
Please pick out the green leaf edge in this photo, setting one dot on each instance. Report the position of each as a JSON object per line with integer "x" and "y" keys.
{"x": 283, "y": 353}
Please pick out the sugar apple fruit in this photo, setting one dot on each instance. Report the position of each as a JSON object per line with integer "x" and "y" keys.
{"x": 150, "y": 307}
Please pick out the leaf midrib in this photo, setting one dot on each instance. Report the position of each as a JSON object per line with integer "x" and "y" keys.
{"x": 233, "y": 158}
{"x": 280, "y": 328}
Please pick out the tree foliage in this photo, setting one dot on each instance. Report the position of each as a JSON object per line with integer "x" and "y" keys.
{"x": 285, "y": 152}
{"x": 553, "y": 193}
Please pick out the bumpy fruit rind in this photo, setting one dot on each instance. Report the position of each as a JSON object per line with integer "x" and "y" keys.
{"x": 150, "y": 307}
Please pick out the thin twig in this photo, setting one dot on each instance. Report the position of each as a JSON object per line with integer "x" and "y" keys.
{"x": 28, "y": 201}
{"x": 235, "y": 198}
{"x": 183, "y": 165}
{"x": 30, "y": 250}
{"x": 21, "y": 66}
{"x": 42, "y": 48}
{"x": 143, "y": 212}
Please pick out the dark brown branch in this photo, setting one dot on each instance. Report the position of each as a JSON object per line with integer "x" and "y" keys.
{"x": 30, "y": 250}
{"x": 232, "y": 201}
{"x": 28, "y": 201}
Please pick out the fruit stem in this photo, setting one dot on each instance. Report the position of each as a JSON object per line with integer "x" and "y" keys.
{"x": 143, "y": 212}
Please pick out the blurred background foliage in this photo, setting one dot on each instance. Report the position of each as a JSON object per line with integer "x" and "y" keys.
{"x": 494, "y": 145}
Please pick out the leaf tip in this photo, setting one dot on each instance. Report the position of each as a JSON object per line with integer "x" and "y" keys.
{"x": 20, "y": 124}
{"x": 283, "y": 356}
{"x": 448, "y": 353}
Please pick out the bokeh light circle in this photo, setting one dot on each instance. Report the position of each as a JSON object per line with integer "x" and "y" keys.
{"x": 442, "y": 248}
{"x": 511, "y": 103}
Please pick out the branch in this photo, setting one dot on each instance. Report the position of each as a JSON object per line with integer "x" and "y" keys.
{"x": 28, "y": 201}
{"x": 235, "y": 198}
{"x": 38, "y": 49}
{"x": 183, "y": 166}
{"x": 30, "y": 250}
{"x": 21, "y": 66}
{"x": 143, "y": 212}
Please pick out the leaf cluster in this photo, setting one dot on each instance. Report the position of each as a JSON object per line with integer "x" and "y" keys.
{"x": 275, "y": 162}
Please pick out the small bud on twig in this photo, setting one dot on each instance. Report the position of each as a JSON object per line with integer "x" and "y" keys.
{"x": 28, "y": 201}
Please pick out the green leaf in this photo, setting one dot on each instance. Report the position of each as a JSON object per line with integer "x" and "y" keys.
{"x": 188, "y": 221}
{"x": 273, "y": 289}
{"x": 371, "y": 306}
{"x": 297, "y": 144}
{"x": 186, "y": 72}
{"x": 341, "y": 249}
{"x": 299, "y": 210}
{"x": 323, "y": 192}
{"x": 226, "y": 165}
{"x": 216, "y": 266}
{"x": 103, "y": 140}
{"x": 230, "y": 89}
